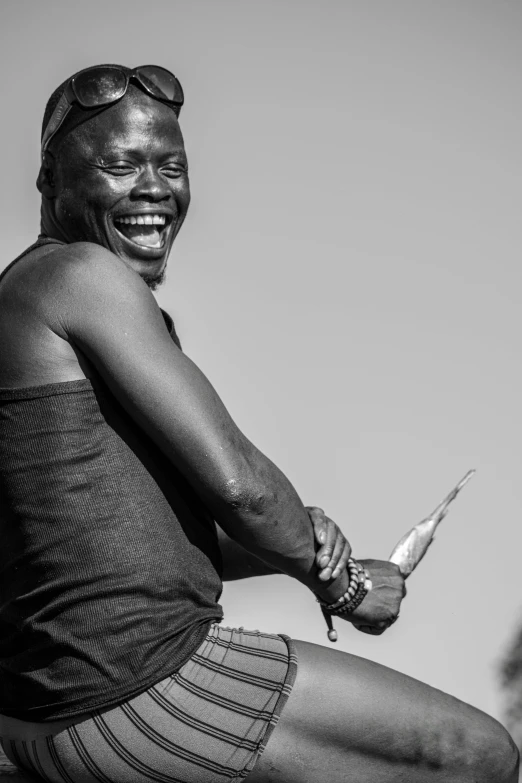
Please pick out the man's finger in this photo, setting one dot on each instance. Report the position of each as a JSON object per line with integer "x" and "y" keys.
{"x": 318, "y": 520}
{"x": 332, "y": 556}
{"x": 325, "y": 553}
{"x": 342, "y": 563}
{"x": 328, "y": 569}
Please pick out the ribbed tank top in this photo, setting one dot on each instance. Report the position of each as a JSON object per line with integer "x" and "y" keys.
{"x": 109, "y": 563}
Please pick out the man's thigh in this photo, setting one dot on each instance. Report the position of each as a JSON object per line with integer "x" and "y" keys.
{"x": 349, "y": 719}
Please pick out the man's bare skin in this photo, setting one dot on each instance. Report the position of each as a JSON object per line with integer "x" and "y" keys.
{"x": 85, "y": 311}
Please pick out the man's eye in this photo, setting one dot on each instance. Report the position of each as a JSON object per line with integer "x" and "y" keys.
{"x": 173, "y": 172}
{"x": 120, "y": 168}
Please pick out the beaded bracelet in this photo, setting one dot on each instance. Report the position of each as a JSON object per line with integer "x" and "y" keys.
{"x": 359, "y": 586}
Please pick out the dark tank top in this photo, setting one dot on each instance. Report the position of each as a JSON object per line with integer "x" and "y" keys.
{"x": 109, "y": 563}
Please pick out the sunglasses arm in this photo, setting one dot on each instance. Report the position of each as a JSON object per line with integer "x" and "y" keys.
{"x": 61, "y": 110}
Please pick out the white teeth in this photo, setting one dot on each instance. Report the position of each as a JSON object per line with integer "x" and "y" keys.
{"x": 143, "y": 220}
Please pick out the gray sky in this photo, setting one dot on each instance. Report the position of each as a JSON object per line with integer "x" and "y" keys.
{"x": 348, "y": 276}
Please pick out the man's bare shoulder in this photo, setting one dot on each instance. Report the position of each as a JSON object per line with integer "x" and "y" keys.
{"x": 88, "y": 283}
{"x": 89, "y": 264}
{"x": 76, "y": 295}
{"x": 72, "y": 286}
{"x": 79, "y": 277}
{"x": 84, "y": 262}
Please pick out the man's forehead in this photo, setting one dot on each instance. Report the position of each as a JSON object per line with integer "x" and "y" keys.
{"x": 134, "y": 119}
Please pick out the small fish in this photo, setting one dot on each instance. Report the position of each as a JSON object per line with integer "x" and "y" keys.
{"x": 412, "y": 547}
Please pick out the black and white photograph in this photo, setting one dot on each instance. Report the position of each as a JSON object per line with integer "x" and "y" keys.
{"x": 260, "y": 384}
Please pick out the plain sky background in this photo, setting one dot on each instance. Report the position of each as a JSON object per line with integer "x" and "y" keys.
{"x": 348, "y": 275}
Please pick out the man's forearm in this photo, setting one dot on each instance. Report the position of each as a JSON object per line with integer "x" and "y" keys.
{"x": 238, "y": 563}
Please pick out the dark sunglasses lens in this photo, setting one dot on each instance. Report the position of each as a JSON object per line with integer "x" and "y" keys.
{"x": 99, "y": 86}
{"x": 160, "y": 83}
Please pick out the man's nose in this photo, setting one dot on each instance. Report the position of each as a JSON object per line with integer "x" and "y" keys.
{"x": 151, "y": 185}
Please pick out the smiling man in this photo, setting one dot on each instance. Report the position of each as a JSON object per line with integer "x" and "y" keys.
{"x": 117, "y": 458}
{"x": 103, "y": 186}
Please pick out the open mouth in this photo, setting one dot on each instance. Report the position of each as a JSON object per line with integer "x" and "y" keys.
{"x": 146, "y": 230}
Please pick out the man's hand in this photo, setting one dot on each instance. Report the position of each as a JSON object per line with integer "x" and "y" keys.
{"x": 334, "y": 550}
{"x": 380, "y": 608}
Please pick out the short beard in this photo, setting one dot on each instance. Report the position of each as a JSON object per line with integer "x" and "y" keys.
{"x": 154, "y": 281}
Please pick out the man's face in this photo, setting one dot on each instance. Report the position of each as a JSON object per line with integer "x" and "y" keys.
{"x": 121, "y": 181}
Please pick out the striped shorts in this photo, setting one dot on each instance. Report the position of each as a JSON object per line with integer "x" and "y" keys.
{"x": 207, "y": 723}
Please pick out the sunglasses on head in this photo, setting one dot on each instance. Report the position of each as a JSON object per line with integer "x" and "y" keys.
{"x": 102, "y": 85}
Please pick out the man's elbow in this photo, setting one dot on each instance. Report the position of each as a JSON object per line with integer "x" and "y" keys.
{"x": 248, "y": 497}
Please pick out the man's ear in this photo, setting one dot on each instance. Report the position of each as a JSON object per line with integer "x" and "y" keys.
{"x": 45, "y": 182}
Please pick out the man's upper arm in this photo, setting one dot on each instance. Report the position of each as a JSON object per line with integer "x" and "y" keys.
{"x": 106, "y": 309}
